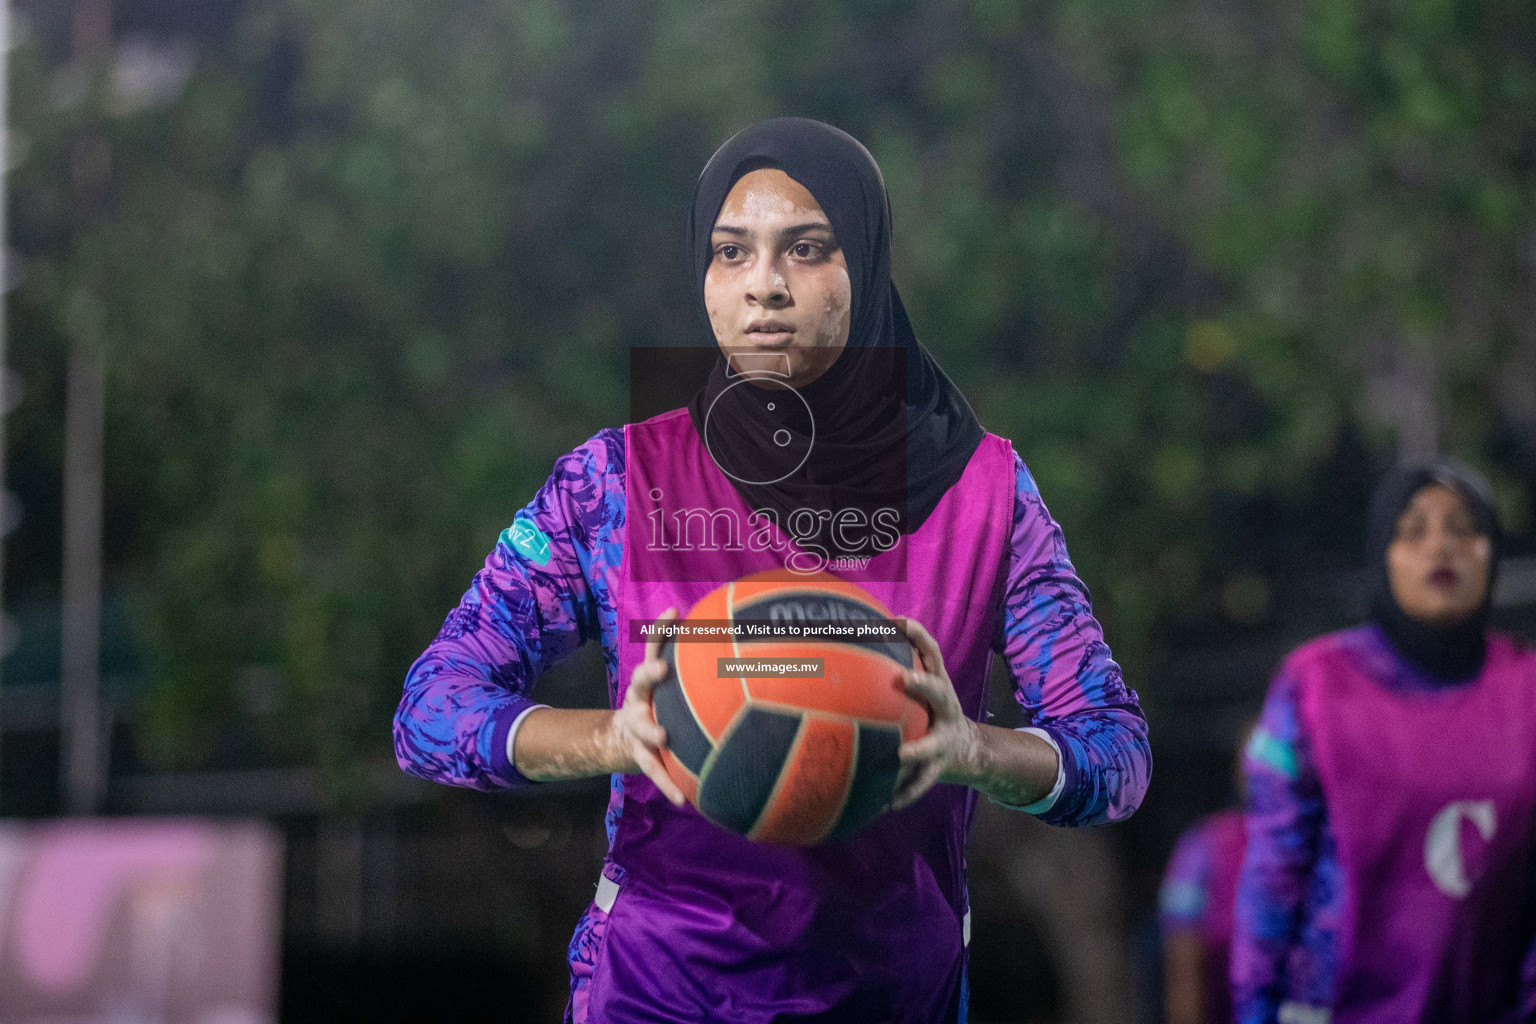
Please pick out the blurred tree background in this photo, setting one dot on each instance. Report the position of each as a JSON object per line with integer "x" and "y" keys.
{"x": 372, "y": 266}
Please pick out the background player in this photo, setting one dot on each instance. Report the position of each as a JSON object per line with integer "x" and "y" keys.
{"x": 1392, "y": 783}
{"x": 1195, "y": 913}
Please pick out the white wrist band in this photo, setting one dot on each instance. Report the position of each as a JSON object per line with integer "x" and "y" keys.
{"x": 1048, "y": 801}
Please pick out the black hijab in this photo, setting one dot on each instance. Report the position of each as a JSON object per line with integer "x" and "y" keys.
{"x": 882, "y": 426}
{"x": 1456, "y": 652}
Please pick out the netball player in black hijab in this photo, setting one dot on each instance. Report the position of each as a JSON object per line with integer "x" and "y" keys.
{"x": 1392, "y": 788}
{"x": 882, "y": 426}
{"x": 823, "y": 401}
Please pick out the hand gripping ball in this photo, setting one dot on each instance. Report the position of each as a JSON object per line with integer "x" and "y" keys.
{"x": 780, "y": 759}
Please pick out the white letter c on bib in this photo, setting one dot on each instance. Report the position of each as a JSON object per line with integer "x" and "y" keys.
{"x": 1442, "y": 844}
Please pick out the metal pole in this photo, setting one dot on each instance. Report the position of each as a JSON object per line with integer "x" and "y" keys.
{"x": 80, "y": 656}
{"x": 84, "y": 429}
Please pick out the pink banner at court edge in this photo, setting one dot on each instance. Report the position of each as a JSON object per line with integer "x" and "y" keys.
{"x": 158, "y": 921}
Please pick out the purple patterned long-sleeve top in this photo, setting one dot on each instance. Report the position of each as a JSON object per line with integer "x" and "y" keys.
{"x": 1290, "y": 896}
{"x": 537, "y": 600}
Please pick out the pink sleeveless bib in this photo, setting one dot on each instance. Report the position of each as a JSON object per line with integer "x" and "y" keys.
{"x": 1430, "y": 793}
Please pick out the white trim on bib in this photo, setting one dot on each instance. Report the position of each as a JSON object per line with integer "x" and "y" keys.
{"x": 607, "y": 892}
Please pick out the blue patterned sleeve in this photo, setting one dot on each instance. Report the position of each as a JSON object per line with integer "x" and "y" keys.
{"x": 533, "y": 603}
{"x": 1289, "y": 893}
{"x": 1064, "y": 677}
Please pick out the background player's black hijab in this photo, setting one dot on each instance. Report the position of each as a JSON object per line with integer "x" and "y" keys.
{"x": 1448, "y": 654}
{"x": 890, "y": 429}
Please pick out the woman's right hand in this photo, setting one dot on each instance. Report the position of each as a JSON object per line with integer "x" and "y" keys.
{"x": 637, "y": 738}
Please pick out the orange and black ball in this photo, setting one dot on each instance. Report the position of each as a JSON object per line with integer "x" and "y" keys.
{"x": 779, "y": 759}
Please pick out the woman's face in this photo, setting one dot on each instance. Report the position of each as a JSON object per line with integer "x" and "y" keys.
{"x": 1438, "y": 564}
{"x": 777, "y": 287}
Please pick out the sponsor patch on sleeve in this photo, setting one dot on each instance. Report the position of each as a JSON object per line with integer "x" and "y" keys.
{"x": 1182, "y": 900}
{"x": 1272, "y": 752}
{"x": 527, "y": 540}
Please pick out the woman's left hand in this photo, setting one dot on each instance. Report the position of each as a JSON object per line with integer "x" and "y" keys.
{"x": 951, "y": 752}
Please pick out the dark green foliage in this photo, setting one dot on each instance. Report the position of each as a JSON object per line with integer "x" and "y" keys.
{"x": 380, "y": 263}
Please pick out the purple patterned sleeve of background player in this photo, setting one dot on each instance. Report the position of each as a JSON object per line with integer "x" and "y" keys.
{"x": 1064, "y": 676}
{"x": 540, "y": 595}
{"x": 1290, "y": 892}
